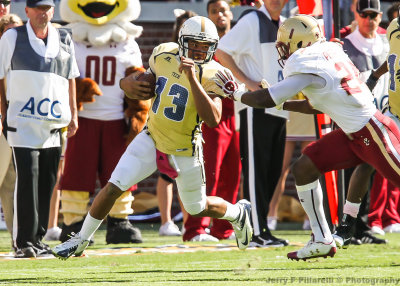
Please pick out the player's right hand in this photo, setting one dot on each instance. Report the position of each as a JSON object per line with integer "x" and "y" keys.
{"x": 225, "y": 81}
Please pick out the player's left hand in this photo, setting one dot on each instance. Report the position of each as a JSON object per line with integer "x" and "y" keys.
{"x": 371, "y": 81}
{"x": 226, "y": 82}
{"x": 187, "y": 66}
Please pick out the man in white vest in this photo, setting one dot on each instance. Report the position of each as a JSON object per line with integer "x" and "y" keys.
{"x": 39, "y": 65}
{"x": 262, "y": 132}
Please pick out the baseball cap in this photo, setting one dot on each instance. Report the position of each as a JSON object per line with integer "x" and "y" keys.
{"x": 368, "y": 5}
{"x": 36, "y": 3}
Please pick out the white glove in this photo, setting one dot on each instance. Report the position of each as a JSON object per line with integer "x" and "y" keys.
{"x": 226, "y": 82}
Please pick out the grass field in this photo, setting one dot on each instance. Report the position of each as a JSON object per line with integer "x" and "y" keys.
{"x": 358, "y": 265}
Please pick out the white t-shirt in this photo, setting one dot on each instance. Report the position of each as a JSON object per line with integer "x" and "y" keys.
{"x": 257, "y": 60}
{"x": 106, "y": 65}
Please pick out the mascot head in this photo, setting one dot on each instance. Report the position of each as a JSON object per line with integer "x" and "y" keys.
{"x": 99, "y": 12}
{"x": 101, "y": 21}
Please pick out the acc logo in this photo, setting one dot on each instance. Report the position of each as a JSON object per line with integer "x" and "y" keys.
{"x": 43, "y": 107}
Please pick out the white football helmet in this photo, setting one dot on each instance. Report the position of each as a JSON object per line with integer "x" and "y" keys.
{"x": 201, "y": 29}
{"x": 297, "y": 32}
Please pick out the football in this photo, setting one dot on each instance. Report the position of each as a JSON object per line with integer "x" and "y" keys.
{"x": 148, "y": 77}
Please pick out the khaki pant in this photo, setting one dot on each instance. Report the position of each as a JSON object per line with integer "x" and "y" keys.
{"x": 7, "y": 182}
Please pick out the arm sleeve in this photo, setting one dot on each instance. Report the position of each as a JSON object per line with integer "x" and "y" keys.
{"x": 7, "y": 46}
{"x": 74, "y": 68}
{"x": 292, "y": 85}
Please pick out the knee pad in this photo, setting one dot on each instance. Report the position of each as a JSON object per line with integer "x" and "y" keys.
{"x": 194, "y": 208}
{"x": 195, "y": 201}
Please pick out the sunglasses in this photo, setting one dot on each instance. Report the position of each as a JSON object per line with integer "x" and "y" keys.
{"x": 5, "y": 3}
{"x": 371, "y": 15}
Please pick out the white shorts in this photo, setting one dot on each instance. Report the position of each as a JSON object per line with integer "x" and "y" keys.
{"x": 139, "y": 161}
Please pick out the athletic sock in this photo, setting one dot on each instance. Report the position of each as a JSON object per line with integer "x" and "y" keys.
{"x": 232, "y": 212}
{"x": 89, "y": 227}
{"x": 310, "y": 196}
{"x": 351, "y": 209}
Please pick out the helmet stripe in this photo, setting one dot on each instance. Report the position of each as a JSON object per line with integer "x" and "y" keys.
{"x": 291, "y": 34}
{"x": 203, "y": 24}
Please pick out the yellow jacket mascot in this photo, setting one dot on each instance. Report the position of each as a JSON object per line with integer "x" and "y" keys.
{"x": 106, "y": 51}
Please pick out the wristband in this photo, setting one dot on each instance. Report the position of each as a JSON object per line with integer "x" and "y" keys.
{"x": 238, "y": 95}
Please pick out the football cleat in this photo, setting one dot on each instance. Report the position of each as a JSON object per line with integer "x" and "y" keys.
{"x": 204, "y": 237}
{"x": 345, "y": 231}
{"x": 314, "y": 249}
{"x": 73, "y": 246}
{"x": 242, "y": 226}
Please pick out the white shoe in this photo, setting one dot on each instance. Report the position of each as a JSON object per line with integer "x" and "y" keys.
{"x": 377, "y": 230}
{"x": 314, "y": 249}
{"x": 306, "y": 225}
{"x": 242, "y": 226}
{"x": 52, "y": 234}
{"x": 271, "y": 221}
{"x": 393, "y": 228}
{"x": 204, "y": 237}
{"x": 73, "y": 246}
{"x": 232, "y": 236}
{"x": 169, "y": 229}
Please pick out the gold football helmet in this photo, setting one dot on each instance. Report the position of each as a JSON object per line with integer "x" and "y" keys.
{"x": 297, "y": 32}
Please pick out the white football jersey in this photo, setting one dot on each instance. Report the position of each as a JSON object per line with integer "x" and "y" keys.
{"x": 345, "y": 98}
{"x": 106, "y": 65}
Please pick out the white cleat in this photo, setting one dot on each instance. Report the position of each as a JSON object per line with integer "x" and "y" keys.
{"x": 314, "y": 249}
{"x": 242, "y": 226}
{"x": 169, "y": 229}
{"x": 204, "y": 237}
{"x": 73, "y": 246}
{"x": 377, "y": 230}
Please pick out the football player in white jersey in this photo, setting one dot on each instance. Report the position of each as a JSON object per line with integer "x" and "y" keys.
{"x": 186, "y": 94}
{"x": 329, "y": 80}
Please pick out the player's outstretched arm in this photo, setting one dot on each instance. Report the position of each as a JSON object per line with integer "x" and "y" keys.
{"x": 259, "y": 99}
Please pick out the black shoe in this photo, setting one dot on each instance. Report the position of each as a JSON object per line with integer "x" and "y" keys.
{"x": 369, "y": 238}
{"x": 67, "y": 231}
{"x": 26, "y": 252}
{"x": 122, "y": 231}
{"x": 42, "y": 249}
{"x": 271, "y": 241}
{"x": 355, "y": 241}
{"x": 345, "y": 231}
{"x": 267, "y": 235}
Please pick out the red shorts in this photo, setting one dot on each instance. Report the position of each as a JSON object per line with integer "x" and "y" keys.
{"x": 93, "y": 151}
{"x": 377, "y": 143}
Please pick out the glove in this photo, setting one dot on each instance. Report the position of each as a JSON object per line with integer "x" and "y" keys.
{"x": 225, "y": 81}
{"x": 371, "y": 81}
